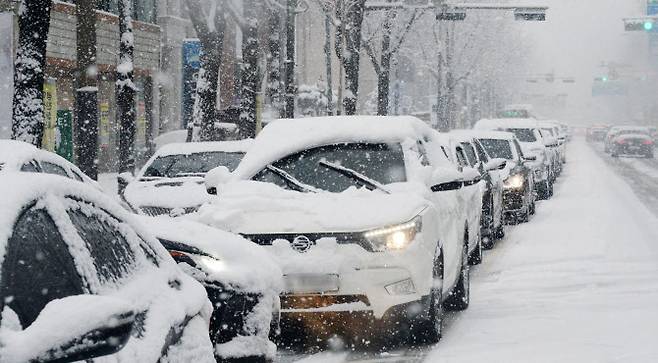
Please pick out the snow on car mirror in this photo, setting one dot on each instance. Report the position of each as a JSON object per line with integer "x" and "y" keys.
{"x": 470, "y": 176}
{"x": 446, "y": 179}
{"x": 496, "y": 164}
{"x": 215, "y": 178}
{"x": 71, "y": 329}
{"x": 123, "y": 180}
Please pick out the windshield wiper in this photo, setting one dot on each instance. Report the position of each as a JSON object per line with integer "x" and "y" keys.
{"x": 355, "y": 175}
{"x": 291, "y": 180}
{"x": 188, "y": 174}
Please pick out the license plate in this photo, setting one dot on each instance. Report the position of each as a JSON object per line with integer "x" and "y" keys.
{"x": 310, "y": 283}
{"x": 634, "y": 148}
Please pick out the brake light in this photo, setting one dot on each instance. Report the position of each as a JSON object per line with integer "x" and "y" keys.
{"x": 647, "y": 142}
{"x": 621, "y": 142}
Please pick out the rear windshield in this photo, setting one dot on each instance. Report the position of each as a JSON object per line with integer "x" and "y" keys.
{"x": 524, "y": 135}
{"x": 498, "y": 148}
{"x": 181, "y": 165}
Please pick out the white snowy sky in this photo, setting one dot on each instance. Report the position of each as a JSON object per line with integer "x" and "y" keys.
{"x": 578, "y": 36}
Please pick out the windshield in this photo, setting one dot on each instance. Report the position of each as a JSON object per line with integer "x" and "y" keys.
{"x": 498, "y": 148}
{"x": 172, "y": 166}
{"x": 382, "y": 163}
{"x": 524, "y": 135}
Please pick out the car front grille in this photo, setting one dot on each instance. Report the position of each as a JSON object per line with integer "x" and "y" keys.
{"x": 159, "y": 211}
{"x": 340, "y": 237}
{"x": 319, "y": 301}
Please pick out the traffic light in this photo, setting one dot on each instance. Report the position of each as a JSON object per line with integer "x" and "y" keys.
{"x": 641, "y": 24}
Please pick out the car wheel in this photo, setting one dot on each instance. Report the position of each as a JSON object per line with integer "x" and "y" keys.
{"x": 459, "y": 297}
{"x": 430, "y": 329}
{"x": 544, "y": 190}
{"x": 649, "y": 156}
{"x": 533, "y": 208}
{"x": 476, "y": 256}
{"x": 551, "y": 189}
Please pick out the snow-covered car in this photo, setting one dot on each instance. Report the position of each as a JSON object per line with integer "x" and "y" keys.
{"x": 632, "y": 141}
{"x": 363, "y": 214}
{"x": 242, "y": 282}
{"x": 171, "y": 182}
{"x": 534, "y": 150}
{"x": 21, "y": 156}
{"x": 81, "y": 278}
{"x": 550, "y": 136}
{"x": 491, "y": 170}
{"x": 518, "y": 179}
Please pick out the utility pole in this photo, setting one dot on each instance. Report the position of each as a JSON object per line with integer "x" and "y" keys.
{"x": 327, "y": 52}
{"x": 290, "y": 87}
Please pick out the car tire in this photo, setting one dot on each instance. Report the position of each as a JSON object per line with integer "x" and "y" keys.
{"x": 429, "y": 330}
{"x": 533, "y": 208}
{"x": 475, "y": 257}
{"x": 500, "y": 232}
{"x": 459, "y": 297}
{"x": 649, "y": 156}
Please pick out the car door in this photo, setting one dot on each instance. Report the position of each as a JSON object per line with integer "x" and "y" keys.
{"x": 472, "y": 191}
{"x": 496, "y": 179}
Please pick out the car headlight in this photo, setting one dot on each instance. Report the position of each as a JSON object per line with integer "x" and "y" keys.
{"x": 514, "y": 182}
{"x": 204, "y": 263}
{"x": 394, "y": 238}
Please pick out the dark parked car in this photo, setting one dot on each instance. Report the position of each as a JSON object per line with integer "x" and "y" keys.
{"x": 518, "y": 184}
{"x": 80, "y": 279}
{"x": 242, "y": 281}
{"x": 632, "y": 143}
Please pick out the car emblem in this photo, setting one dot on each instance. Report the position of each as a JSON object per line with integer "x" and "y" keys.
{"x": 301, "y": 244}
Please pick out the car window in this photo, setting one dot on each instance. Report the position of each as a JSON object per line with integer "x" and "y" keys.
{"x": 172, "y": 166}
{"x": 38, "y": 267}
{"x": 469, "y": 151}
{"x": 50, "y": 168}
{"x": 498, "y": 148}
{"x": 482, "y": 154}
{"x": 30, "y": 167}
{"x": 524, "y": 135}
{"x": 383, "y": 163}
{"x": 112, "y": 255}
{"x": 461, "y": 158}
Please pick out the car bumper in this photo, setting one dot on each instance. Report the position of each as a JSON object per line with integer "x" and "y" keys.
{"x": 514, "y": 200}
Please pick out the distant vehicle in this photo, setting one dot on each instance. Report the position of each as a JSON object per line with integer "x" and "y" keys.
{"x": 81, "y": 279}
{"x": 21, "y": 156}
{"x": 518, "y": 185}
{"x": 491, "y": 170}
{"x": 171, "y": 182}
{"x": 596, "y": 133}
{"x": 632, "y": 142}
{"x": 615, "y": 131}
{"x": 551, "y": 134}
{"x": 365, "y": 216}
{"x": 538, "y": 156}
{"x": 242, "y": 281}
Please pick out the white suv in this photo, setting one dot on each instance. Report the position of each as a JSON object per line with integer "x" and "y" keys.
{"x": 364, "y": 214}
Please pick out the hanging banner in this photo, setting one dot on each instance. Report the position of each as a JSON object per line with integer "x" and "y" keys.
{"x": 64, "y": 135}
{"x": 50, "y": 115}
{"x": 191, "y": 64}
{"x": 104, "y": 127}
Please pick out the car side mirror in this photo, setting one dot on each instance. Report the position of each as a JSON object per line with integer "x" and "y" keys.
{"x": 444, "y": 179}
{"x": 529, "y": 158}
{"x": 71, "y": 329}
{"x": 496, "y": 164}
{"x": 215, "y": 178}
{"x": 123, "y": 180}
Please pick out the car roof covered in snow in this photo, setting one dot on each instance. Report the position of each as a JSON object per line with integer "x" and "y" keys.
{"x": 284, "y": 137}
{"x": 186, "y": 148}
{"x": 485, "y": 134}
{"x": 503, "y": 123}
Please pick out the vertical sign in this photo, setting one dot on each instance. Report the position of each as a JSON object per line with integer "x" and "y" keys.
{"x": 104, "y": 127}
{"x": 191, "y": 65}
{"x": 50, "y": 115}
{"x": 6, "y": 72}
{"x": 64, "y": 144}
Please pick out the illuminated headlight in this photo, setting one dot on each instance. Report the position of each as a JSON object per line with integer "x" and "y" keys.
{"x": 514, "y": 182}
{"x": 394, "y": 238}
{"x": 204, "y": 263}
{"x": 405, "y": 287}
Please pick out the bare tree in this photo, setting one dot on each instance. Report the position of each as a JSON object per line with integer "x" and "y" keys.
{"x": 391, "y": 32}
{"x": 28, "y": 117}
{"x": 209, "y": 22}
{"x": 87, "y": 91}
{"x": 125, "y": 88}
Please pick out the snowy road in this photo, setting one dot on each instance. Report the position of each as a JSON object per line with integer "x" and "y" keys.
{"x": 577, "y": 284}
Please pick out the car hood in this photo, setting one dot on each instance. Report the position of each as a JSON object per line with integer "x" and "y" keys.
{"x": 250, "y": 207}
{"x": 167, "y": 193}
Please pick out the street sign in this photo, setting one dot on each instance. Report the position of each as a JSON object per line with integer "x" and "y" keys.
{"x": 530, "y": 14}
{"x": 191, "y": 64}
{"x": 652, "y": 7}
{"x": 451, "y": 15}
